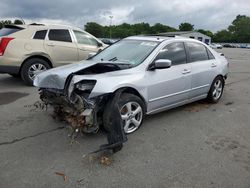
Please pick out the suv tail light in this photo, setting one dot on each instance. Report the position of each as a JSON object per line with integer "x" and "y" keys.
{"x": 4, "y": 43}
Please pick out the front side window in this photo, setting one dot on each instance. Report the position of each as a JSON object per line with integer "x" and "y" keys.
{"x": 61, "y": 35}
{"x": 197, "y": 52}
{"x": 174, "y": 52}
{"x": 131, "y": 52}
{"x": 83, "y": 38}
{"x": 40, "y": 35}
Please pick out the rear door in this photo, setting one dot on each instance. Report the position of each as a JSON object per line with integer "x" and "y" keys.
{"x": 169, "y": 87}
{"x": 60, "y": 47}
{"x": 86, "y": 44}
{"x": 202, "y": 63}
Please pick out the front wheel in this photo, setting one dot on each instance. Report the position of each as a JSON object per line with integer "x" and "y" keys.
{"x": 132, "y": 111}
{"x": 216, "y": 90}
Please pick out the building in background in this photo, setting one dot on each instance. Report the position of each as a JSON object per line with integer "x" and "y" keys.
{"x": 189, "y": 34}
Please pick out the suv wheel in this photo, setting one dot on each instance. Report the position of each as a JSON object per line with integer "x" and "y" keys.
{"x": 31, "y": 68}
{"x": 216, "y": 90}
{"x": 132, "y": 110}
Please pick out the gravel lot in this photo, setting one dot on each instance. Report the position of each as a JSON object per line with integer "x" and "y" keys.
{"x": 197, "y": 145}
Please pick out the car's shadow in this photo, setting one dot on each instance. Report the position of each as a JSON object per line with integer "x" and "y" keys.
{"x": 8, "y": 81}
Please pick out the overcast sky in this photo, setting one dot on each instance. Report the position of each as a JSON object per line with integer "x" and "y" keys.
{"x": 206, "y": 14}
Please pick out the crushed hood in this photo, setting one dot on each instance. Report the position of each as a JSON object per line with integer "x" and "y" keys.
{"x": 55, "y": 78}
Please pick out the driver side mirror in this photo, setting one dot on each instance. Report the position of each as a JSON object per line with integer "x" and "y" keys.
{"x": 160, "y": 64}
{"x": 91, "y": 54}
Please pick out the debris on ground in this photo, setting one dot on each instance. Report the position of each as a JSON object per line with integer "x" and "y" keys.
{"x": 38, "y": 105}
{"x": 81, "y": 181}
{"x": 105, "y": 160}
{"x": 229, "y": 103}
{"x": 65, "y": 178}
{"x": 82, "y": 114}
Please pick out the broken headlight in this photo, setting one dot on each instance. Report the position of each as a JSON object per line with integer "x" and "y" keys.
{"x": 86, "y": 85}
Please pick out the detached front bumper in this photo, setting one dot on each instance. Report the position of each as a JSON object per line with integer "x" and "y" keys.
{"x": 81, "y": 113}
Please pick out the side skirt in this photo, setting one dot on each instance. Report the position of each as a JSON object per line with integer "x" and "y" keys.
{"x": 177, "y": 104}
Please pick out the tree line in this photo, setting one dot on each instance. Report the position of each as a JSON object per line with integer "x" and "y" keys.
{"x": 9, "y": 22}
{"x": 237, "y": 32}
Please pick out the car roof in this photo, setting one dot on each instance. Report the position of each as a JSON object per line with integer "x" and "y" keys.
{"x": 159, "y": 38}
{"x": 43, "y": 26}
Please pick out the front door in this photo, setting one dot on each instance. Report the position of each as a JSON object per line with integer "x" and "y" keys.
{"x": 169, "y": 87}
{"x": 60, "y": 47}
{"x": 85, "y": 44}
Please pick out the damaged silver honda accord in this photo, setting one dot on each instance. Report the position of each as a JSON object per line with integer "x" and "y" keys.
{"x": 150, "y": 73}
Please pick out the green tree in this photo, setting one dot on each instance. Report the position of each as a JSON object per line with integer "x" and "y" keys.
{"x": 186, "y": 27}
{"x": 4, "y": 22}
{"x": 206, "y": 32}
{"x": 18, "y": 22}
{"x": 240, "y": 29}
{"x": 160, "y": 28}
{"x": 94, "y": 29}
{"x": 223, "y": 36}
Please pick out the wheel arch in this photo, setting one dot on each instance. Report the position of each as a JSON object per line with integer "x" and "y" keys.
{"x": 132, "y": 90}
{"x": 220, "y": 75}
{"x": 36, "y": 56}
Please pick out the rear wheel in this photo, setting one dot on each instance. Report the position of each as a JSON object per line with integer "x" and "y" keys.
{"x": 31, "y": 68}
{"x": 216, "y": 90}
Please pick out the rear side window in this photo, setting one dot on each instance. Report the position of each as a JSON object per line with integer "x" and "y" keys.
{"x": 197, "y": 52}
{"x": 174, "y": 52}
{"x": 8, "y": 31}
{"x": 210, "y": 55}
{"x": 40, "y": 35}
{"x": 62, "y": 35}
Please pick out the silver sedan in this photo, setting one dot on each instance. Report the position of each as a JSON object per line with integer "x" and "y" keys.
{"x": 152, "y": 74}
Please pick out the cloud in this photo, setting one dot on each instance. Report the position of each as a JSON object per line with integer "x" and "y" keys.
{"x": 205, "y": 14}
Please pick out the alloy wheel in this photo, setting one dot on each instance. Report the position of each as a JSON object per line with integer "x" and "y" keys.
{"x": 131, "y": 114}
{"x": 218, "y": 86}
{"x": 35, "y": 69}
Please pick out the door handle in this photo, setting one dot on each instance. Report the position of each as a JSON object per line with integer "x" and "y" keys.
{"x": 83, "y": 49}
{"x": 186, "y": 71}
{"x": 50, "y": 44}
{"x": 213, "y": 65}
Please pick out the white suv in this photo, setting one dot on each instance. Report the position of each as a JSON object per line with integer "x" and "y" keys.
{"x": 26, "y": 50}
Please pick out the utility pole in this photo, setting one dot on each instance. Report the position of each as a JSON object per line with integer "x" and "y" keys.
{"x": 111, "y": 17}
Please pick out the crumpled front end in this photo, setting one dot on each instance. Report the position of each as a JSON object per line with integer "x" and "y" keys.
{"x": 73, "y": 105}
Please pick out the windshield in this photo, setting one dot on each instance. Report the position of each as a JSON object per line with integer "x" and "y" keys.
{"x": 131, "y": 52}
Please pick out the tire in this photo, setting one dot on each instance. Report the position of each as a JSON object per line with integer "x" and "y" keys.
{"x": 128, "y": 119}
{"x": 36, "y": 65}
{"x": 216, "y": 90}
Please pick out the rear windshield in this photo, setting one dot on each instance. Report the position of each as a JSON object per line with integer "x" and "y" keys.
{"x": 8, "y": 31}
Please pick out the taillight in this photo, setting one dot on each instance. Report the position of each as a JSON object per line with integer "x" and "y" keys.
{"x": 4, "y": 43}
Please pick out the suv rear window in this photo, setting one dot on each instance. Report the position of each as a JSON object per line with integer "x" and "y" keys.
{"x": 8, "y": 31}
{"x": 62, "y": 35}
{"x": 40, "y": 35}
